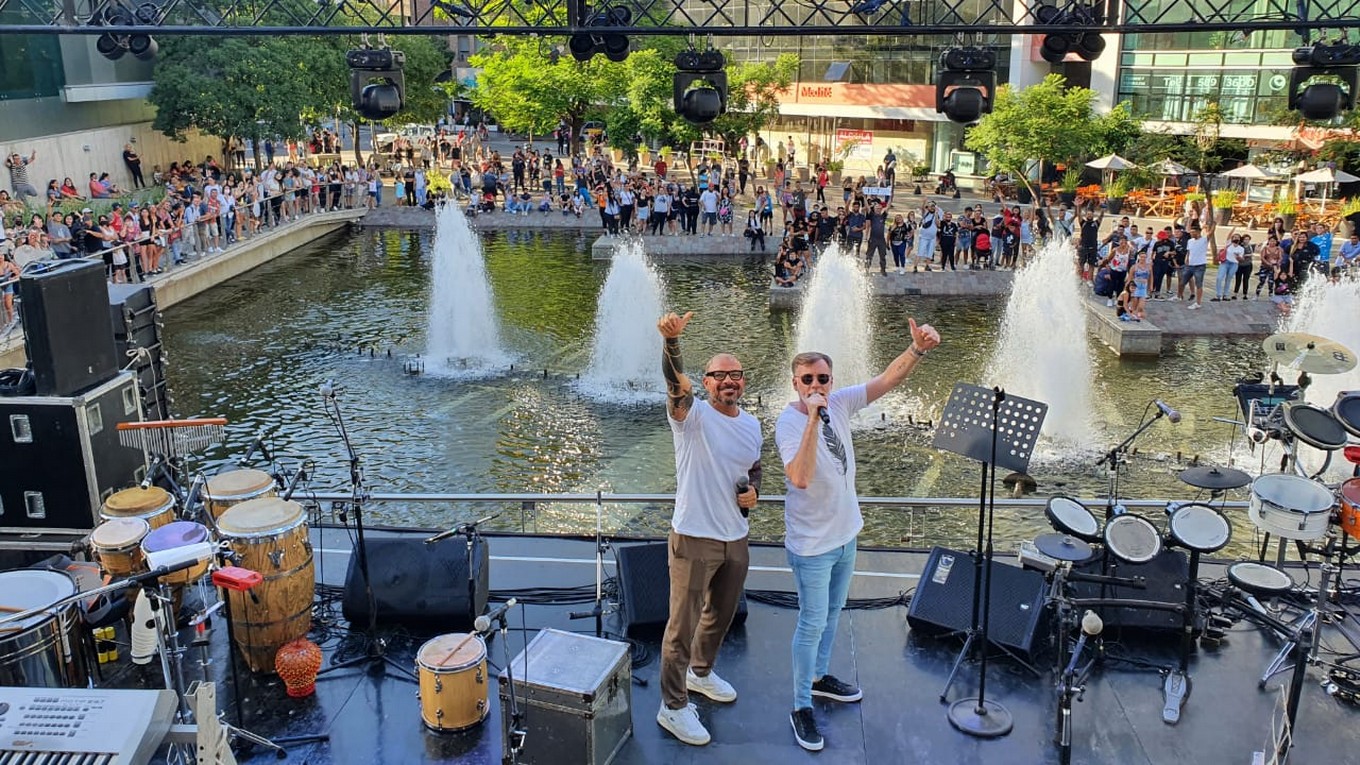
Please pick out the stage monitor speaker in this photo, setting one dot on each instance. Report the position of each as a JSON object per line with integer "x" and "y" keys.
{"x": 67, "y": 329}
{"x": 418, "y": 584}
{"x": 943, "y": 602}
{"x": 1166, "y": 577}
{"x": 645, "y": 588}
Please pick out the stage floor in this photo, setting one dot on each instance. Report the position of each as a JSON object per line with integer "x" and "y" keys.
{"x": 375, "y": 718}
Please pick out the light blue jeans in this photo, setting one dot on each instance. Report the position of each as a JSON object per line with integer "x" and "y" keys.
{"x": 823, "y": 581}
{"x": 1223, "y": 285}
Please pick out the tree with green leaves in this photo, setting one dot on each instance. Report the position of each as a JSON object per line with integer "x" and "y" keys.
{"x": 529, "y": 89}
{"x": 259, "y": 86}
{"x": 1046, "y": 122}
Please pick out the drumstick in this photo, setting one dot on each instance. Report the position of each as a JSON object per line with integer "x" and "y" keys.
{"x": 456, "y": 649}
{"x": 11, "y": 609}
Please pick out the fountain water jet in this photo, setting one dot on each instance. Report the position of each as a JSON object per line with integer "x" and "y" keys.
{"x": 625, "y": 357}
{"x": 464, "y": 332}
{"x": 1042, "y": 353}
{"x": 835, "y": 315}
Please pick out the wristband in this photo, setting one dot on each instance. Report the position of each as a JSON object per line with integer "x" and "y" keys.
{"x": 917, "y": 352}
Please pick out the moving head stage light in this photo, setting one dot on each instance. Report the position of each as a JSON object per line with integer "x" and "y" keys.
{"x": 966, "y": 84}
{"x": 700, "y": 87}
{"x": 376, "y": 83}
{"x": 1322, "y": 83}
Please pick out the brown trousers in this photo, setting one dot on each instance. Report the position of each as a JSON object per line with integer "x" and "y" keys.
{"x": 707, "y": 578}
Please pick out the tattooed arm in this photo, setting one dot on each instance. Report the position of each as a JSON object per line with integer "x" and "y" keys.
{"x": 679, "y": 390}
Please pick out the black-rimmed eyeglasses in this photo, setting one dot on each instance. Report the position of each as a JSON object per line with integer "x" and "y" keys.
{"x": 821, "y": 379}
{"x": 723, "y": 374}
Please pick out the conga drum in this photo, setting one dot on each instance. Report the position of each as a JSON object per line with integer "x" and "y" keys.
{"x": 233, "y": 487}
{"x": 171, "y": 536}
{"x": 153, "y": 505}
{"x": 270, "y": 535}
{"x": 117, "y": 545}
{"x": 453, "y": 682}
{"x": 42, "y": 651}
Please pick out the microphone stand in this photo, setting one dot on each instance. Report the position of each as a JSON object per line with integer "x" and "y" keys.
{"x": 601, "y": 545}
{"x": 375, "y": 656}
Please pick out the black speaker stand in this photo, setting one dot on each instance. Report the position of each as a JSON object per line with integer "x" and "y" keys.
{"x": 375, "y": 653}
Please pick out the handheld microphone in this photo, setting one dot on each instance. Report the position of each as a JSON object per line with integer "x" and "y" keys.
{"x": 1165, "y": 408}
{"x": 826, "y": 418}
{"x": 483, "y": 622}
{"x": 743, "y": 484}
{"x": 1091, "y": 625}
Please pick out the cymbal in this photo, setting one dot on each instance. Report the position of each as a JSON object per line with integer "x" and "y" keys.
{"x": 1063, "y": 547}
{"x": 1216, "y": 478}
{"x": 1309, "y": 353}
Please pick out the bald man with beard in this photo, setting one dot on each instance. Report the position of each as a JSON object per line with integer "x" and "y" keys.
{"x": 717, "y": 449}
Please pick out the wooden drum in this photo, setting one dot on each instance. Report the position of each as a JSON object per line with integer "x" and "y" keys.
{"x": 153, "y": 505}
{"x": 453, "y": 682}
{"x": 117, "y": 545}
{"x": 236, "y": 486}
{"x": 270, "y": 535}
{"x": 175, "y": 535}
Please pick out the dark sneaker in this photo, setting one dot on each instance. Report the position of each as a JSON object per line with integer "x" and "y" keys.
{"x": 805, "y": 730}
{"x": 831, "y": 688}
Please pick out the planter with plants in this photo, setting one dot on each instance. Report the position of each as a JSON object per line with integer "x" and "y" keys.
{"x": 1115, "y": 192}
{"x": 1067, "y": 187}
{"x": 833, "y": 171}
{"x": 1288, "y": 210}
{"x": 1223, "y": 202}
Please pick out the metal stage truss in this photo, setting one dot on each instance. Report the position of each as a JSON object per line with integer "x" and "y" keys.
{"x": 975, "y": 19}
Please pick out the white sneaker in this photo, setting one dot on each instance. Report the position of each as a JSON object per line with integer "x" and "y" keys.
{"x": 683, "y": 723}
{"x": 711, "y": 686}
{"x": 1109, "y": 303}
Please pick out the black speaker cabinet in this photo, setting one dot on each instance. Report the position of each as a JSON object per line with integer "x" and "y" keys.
{"x": 418, "y": 584}
{"x": 1165, "y": 577}
{"x": 137, "y": 341}
{"x": 67, "y": 331}
{"x": 943, "y": 602}
{"x": 645, "y": 588}
{"x": 60, "y": 456}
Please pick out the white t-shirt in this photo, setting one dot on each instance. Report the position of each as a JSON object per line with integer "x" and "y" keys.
{"x": 712, "y": 452}
{"x": 1232, "y": 253}
{"x": 826, "y": 514}
{"x": 1197, "y": 252}
{"x": 710, "y": 201}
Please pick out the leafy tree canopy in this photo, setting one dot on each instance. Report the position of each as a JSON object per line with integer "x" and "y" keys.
{"x": 1044, "y": 122}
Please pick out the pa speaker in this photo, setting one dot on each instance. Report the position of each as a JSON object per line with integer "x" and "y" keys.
{"x": 1165, "y": 578}
{"x": 645, "y": 588}
{"x": 67, "y": 328}
{"x": 418, "y": 584}
{"x": 943, "y": 602}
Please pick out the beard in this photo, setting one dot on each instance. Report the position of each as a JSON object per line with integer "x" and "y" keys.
{"x": 727, "y": 395}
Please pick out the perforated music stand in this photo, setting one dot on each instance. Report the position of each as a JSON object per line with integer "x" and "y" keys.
{"x": 997, "y": 430}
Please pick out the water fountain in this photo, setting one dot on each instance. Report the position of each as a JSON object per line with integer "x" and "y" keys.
{"x": 625, "y": 355}
{"x": 1042, "y": 353}
{"x": 1328, "y": 310}
{"x": 464, "y": 332}
{"x": 835, "y": 316}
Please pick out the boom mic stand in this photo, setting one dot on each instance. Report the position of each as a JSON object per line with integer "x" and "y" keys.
{"x": 376, "y": 654}
{"x": 970, "y": 426}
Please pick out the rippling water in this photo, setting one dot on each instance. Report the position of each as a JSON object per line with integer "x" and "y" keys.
{"x": 256, "y": 349}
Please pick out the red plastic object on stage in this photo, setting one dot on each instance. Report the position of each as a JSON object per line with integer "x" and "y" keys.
{"x": 236, "y": 578}
{"x": 297, "y": 662}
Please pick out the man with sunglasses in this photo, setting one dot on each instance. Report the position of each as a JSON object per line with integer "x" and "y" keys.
{"x": 822, "y": 516}
{"x": 717, "y": 476}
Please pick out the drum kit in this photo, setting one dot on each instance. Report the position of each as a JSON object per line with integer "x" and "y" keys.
{"x": 1292, "y": 505}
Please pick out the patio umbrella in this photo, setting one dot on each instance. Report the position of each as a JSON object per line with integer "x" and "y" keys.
{"x": 1110, "y": 163}
{"x": 1248, "y": 173}
{"x": 1325, "y": 176}
{"x": 1169, "y": 167}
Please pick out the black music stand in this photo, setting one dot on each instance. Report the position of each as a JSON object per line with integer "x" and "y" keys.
{"x": 997, "y": 430}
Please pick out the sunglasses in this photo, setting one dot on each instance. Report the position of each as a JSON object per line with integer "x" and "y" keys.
{"x": 723, "y": 374}
{"x": 821, "y": 379}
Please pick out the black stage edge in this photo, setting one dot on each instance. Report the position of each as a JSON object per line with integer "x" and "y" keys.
{"x": 372, "y": 718}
